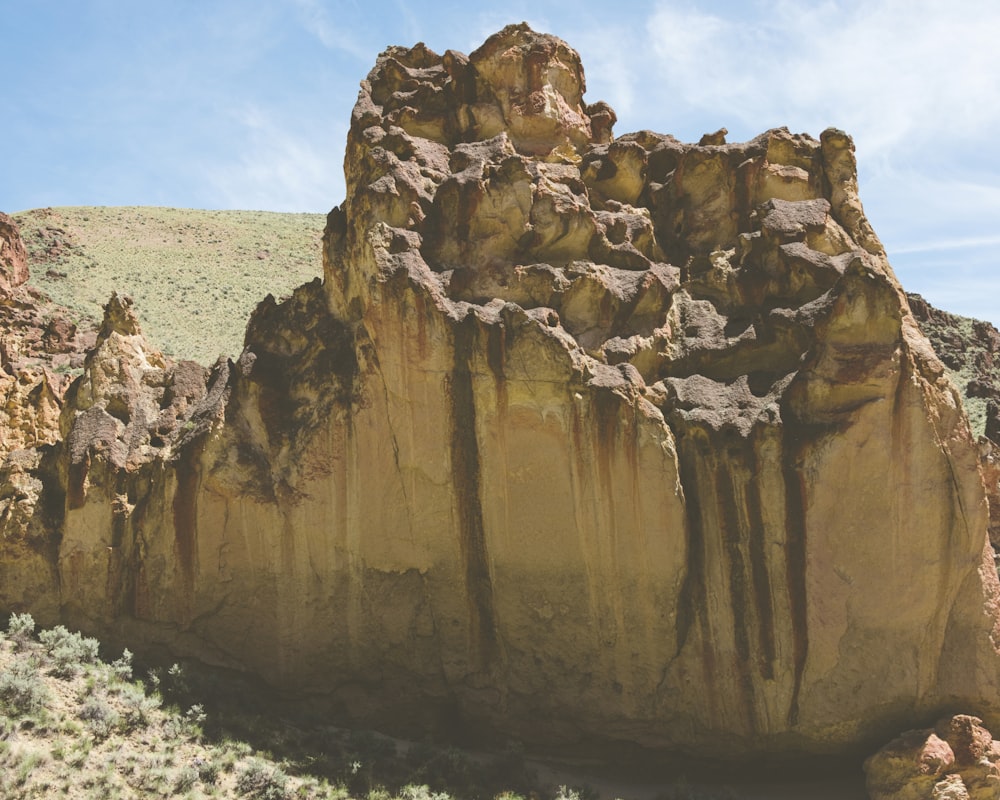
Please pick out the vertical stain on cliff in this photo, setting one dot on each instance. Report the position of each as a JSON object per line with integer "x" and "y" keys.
{"x": 795, "y": 558}
{"x": 76, "y": 490}
{"x": 185, "y": 508}
{"x": 692, "y": 602}
{"x": 761, "y": 580}
{"x": 496, "y": 357}
{"x": 742, "y": 610}
{"x": 466, "y": 481}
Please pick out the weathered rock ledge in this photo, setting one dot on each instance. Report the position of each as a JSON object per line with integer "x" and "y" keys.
{"x": 580, "y": 439}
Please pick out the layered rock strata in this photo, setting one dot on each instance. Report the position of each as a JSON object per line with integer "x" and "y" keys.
{"x": 580, "y": 439}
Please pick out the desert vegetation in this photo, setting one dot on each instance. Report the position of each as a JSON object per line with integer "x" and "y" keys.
{"x": 75, "y": 725}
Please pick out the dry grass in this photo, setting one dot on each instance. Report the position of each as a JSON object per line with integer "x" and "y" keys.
{"x": 195, "y": 276}
{"x": 73, "y": 726}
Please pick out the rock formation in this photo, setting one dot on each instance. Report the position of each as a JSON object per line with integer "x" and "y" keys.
{"x": 13, "y": 256}
{"x": 970, "y": 351}
{"x": 957, "y": 759}
{"x": 581, "y": 439}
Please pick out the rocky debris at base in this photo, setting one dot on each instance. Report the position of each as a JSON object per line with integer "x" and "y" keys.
{"x": 957, "y": 759}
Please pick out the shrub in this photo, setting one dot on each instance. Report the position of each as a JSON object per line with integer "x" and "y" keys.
{"x": 22, "y": 690}
{"x": 137, "y": 706}
{"x": 208, "y": 771}
{"x": 21, "y": 629}
{"x": 100, "y": 717}
{"x": 122, "y": 667}
{"x": 185, "y": 780}
{"x": 260, "y": 782}
{"x": 413, "y": 792}
{"x": 69, "y": 651}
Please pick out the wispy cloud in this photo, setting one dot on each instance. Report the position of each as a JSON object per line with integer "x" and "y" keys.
{"x": 335, "y": 35}
{"x": 890, "y": 72}
{"x": 967, "y": 243}
{"x": 277, "y": 169}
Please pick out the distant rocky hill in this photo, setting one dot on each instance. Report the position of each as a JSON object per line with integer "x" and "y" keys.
{"x": 581, "y": 440}
{"x": 970, "y": 350}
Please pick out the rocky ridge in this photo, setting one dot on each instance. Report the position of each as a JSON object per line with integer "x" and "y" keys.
{"x": 581, "y": 438}
{"x": 970, "y": 351}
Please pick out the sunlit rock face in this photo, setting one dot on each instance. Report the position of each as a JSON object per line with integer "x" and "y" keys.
{"x": 580, "y": 439}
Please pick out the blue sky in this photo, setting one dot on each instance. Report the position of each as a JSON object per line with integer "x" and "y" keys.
{"x": 236, "y": 104}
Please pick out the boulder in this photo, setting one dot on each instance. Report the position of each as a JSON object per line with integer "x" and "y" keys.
{"x": 957, "y": 759}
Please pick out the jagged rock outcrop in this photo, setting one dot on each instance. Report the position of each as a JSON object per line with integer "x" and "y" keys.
{"x": 13, "y": 255}
{"x": 580, "y": 439}
{"x": 957, "y": 759}
{"x": 970, "y": 350}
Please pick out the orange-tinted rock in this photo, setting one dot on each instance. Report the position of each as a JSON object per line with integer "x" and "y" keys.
{"x": 955, "y": 760}
{"x": 13, "y": 255}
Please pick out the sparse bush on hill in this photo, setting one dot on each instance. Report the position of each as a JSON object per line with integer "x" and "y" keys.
{"x": 69, "y": 651}
{"x": 22, "y": 690}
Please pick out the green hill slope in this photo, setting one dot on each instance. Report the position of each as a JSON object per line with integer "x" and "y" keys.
{"x": 195, "y": 276}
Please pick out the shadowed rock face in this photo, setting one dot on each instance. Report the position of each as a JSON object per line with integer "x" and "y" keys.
{"x": 580, "y": 439}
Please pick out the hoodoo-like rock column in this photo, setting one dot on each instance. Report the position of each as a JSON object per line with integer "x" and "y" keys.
{"x": 580, "y": 439}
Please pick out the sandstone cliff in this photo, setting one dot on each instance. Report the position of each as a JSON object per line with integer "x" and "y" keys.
{"x": 581, "y": 438}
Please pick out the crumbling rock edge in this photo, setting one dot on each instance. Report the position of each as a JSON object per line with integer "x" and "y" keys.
{"x": 580, "y": 439}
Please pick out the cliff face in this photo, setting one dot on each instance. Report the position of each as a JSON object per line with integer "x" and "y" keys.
{"x": 581, "y": 438}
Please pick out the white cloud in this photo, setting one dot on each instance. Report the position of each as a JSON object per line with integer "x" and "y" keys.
{"x": 279, "y": 170}
{"x": 949, "y": 245}
{"x": 318, "y": 22}
{"x": 892, "y": 73}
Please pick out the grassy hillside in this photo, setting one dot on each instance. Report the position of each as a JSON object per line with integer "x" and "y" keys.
{"x": 195, "y": 276}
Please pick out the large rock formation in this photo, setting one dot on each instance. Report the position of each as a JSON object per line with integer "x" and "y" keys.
{"x": 581, "y": 438}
